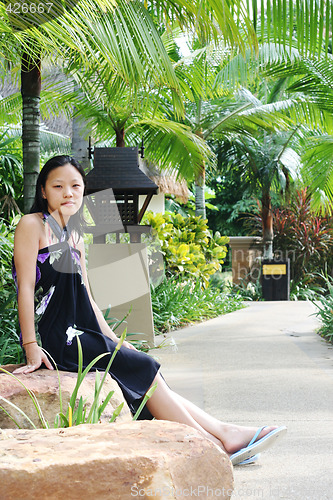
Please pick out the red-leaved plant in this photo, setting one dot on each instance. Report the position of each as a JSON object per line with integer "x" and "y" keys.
{"x": 300, "y": 235}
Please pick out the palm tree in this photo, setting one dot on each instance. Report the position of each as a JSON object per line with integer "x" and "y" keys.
{"x": 77, "y": 32}
{"x": 311, "y": 82}
{"x": 265, "y": 163}
{"x": 70, "y": 31}
{"x": 117, "y": 115}
{"x": 215, "y": 112}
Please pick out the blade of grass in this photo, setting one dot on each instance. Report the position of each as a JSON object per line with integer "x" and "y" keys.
{"x": 103, "y": 405}
{"x": 58, "y": 375}
{"x": 10, "y": 416}
{"x": 80, "y": 374}
{"x": 118, "y": 346}
{"x": 19, "y": 410}
{"x": 148, "y": 395}
{"x": 116, "y": 413}
{"x": 33, "y": 398}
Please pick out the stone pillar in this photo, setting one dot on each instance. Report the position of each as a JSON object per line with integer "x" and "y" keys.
{"x": 119, "y": 276}
{"x": 245, "y": 253}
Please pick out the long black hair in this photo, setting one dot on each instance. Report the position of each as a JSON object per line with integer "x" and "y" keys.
{"x": 40, "y": 203}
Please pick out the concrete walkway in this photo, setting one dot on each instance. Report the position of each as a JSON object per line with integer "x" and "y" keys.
{"x": 264, "y": 365}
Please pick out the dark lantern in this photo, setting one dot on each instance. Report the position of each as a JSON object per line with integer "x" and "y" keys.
{"x": 118, "y": 168}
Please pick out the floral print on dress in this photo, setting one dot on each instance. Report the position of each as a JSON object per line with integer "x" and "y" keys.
{"x": 42, "y": 257}
{"x": 75, "y": 255}
{"x": 71, "y": 332}
{"x": 77, "y": 263}
{"x": 41, "y": 308}
{"x": 55, "y": 255}
{"x": 38, "y": 274}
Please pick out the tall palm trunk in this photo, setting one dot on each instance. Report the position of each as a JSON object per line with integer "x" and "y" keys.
{"x": 30, "y": 90}
{"x": 267, "y": 226}
{"x": 200, "y": 205}
{"x": 120, "y": 138}
{"x": 79, "y": 144}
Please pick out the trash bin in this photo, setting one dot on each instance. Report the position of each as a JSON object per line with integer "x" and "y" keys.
{"x": 275, "y": 279}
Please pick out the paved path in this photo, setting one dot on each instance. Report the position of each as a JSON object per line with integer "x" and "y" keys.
{"x": 264, "y": 365}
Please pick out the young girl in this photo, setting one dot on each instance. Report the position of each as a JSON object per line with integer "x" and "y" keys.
{"x": 53, "y": 293}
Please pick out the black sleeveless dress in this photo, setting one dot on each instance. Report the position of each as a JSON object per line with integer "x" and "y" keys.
{"x": 63, "y": 311}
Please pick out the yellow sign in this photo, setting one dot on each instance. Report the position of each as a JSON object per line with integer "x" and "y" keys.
{"x": 274, "y": 269}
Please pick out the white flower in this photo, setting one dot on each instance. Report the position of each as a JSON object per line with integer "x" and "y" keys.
{"x": 45, "y": 301}
{"x": 55, "y": 255}
{"x": 71, "y": 332}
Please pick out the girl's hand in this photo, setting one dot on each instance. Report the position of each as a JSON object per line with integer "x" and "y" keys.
{"x": 35, "y": 357}
{"x": 128, "y": 345}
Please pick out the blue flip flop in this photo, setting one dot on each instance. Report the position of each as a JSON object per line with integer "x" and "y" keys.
{"x": 255, "y": 447}
{"x": 250, "y": 460}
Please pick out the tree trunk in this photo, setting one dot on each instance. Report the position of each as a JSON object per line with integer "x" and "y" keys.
{"x": 120, "y": 138}
{"x": 200, "y": 181}
{"x": 30, "y": 90}
{"x": 267, "y": 226}
{"x": 200, "y": 205}
{"x": 80, "y": 144}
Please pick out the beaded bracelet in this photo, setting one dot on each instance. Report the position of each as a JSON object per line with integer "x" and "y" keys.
{"x": 31, "y": 342}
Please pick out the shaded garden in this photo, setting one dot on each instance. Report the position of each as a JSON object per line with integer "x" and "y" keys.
{"x": 242, "y": 115}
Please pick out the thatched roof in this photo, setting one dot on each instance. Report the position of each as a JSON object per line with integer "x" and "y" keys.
{"x": 166, "y": 181}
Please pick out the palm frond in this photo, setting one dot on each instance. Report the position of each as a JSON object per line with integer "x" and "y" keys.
{"x": 305, "y": 23}
{"x": 319, "y": 152}
{"x": 208, "y": 20}
{"x": 50, "y": 141}
{"x": 172, "y": 146}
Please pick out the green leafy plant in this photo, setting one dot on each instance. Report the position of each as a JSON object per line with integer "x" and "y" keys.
{"x": 308, "y": 287}
{"x": 147, "y": 396}
{"x": 246, "y": 289}
{"x": 11, "y": 175}
{"x": 176, "y": 303}
{"x": 10, "y": 351}
{"x": 188, "y": 208}
{"x": 76, "y": 413}
{"x": 188, "y": 247}
{"x": 34, "y": 400}
{"x": 324, "y": 303}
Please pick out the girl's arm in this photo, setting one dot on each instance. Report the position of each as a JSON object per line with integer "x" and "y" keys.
{"x": 105, "y": 329}
{"x": 26, "y": 245}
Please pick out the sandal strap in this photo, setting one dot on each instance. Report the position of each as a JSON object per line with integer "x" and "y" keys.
{"x": 255, "y": 437}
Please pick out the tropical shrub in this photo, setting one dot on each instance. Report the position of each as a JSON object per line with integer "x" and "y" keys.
{"x": 11, "y": 176}
{"x": 324, "y": 303}
{"x": 303, "y": 237}
{"x": 189, "y": 249}
{"x": 10, "y": 351}
{"x": 247, "y": 290}
{"x": 177, "y": 303}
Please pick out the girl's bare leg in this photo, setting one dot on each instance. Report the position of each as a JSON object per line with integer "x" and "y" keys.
{"x": 232, "y": 436}
{"x": 167, "y": 405}
{"x": 163, "y": 405}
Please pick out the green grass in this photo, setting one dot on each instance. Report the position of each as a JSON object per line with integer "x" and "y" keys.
{"x": 176, "y": 304}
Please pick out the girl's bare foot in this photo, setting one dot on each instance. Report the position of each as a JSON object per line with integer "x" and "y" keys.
{"x": 236, "y": 437}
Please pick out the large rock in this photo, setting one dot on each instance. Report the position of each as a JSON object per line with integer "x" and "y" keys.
{"x": 44, "y": 384}
{"x": 146, "y": 459}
